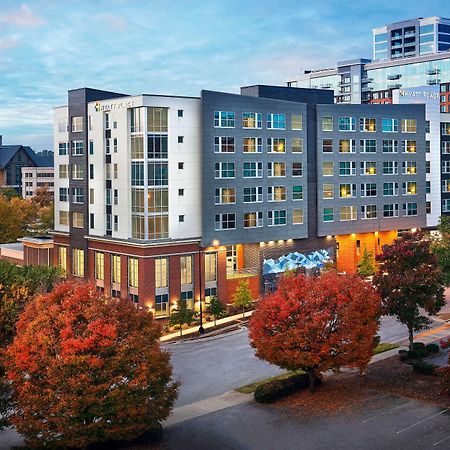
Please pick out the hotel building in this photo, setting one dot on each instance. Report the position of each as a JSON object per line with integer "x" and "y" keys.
{"x": 159, "y": 198}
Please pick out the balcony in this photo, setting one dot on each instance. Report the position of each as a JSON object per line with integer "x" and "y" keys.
{"x": 394, "y": 86}
{"x": 411, "y": 53}
{"x": 366, "y": 80}
{"x": 325, "y": 86}
{"x": 344, "y": 83}
{"x": 432, "y": 81}
{"x": 433, "y": 71}
{"x": 366, "y": 88}
{"x": 395, "y": 76}
{"x": 396, "y": 36}
{"x": 394, "y": 46}
{"x": 409, "y": 34}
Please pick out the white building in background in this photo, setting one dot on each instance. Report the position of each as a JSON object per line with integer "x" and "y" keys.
{"x": 34, "y": 177}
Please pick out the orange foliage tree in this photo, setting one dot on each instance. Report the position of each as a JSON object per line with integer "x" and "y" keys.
{"x": 86, "y": 368}
{"x": 317, "y": 323}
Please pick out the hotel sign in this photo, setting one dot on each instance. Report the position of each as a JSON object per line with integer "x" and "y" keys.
{"x": 418, "y": 94}
{"x": 113, "y": 106}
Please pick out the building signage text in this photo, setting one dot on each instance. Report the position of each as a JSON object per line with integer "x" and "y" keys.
{"x": 425, "y": 94}
{"x": 112, "y": 106}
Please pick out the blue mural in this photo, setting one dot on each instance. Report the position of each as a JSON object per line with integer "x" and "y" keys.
{"x": 296, "y": 260}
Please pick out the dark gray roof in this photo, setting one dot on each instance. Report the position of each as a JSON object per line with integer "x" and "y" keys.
{"x": 8, "y": 151}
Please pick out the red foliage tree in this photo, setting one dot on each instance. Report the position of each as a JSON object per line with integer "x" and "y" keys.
{"x": 86, "y": 368}
{"x": 317, "y": 323}
{"x": 444, "y": 372}
{"x": 409, "y": 280}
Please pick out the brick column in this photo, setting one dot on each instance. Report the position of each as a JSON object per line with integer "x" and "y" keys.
{"x": 174, "y": 280}
{"x": 146, "y": 279}
{"x": 91, "y": 266}
{"x": 222, "y": 292}
{"x": 107, "y": 281}
{"x": 124, "y": 276}
{"x": 197, "y": 276}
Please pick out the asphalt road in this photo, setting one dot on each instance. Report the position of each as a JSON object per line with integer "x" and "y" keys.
{"x": 384, "y": 423}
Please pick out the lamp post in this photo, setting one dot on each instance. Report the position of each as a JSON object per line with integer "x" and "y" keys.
{"x": 215, "y": 244}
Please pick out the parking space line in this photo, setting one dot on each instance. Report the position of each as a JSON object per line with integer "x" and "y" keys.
{"x": 442, "y": 440}
{"x": 422, "y": 421}
{"x": 386, "y": 412}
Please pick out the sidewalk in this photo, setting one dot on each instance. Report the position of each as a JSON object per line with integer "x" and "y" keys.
{"x": 206, "y": 326}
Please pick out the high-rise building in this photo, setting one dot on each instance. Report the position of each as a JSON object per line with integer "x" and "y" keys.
{"x": 159, "y": 198}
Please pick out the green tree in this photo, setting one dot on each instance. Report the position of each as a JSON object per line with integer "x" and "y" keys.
{"x": 366, "y": 266}
{"x": 410, "y": 281}
{"x": 441, "y": 247}
{"x": 9, "y": 193}
{"x": 242, "y": 298}
{"x": 182, "y": 315}
{"x": 216, "y": 308}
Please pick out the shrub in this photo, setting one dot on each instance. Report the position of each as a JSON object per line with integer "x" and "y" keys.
{"x": 403, "y": 355}
{"x": 273, "y": 390}
{"x": 432, "y": 348}
{"x": 418, "y": 345}
{"x": 414, "y": 354}
{"x": 376, "y": 341}
{"x": 424, "y": 368}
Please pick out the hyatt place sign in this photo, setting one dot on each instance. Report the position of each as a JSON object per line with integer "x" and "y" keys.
{"x": 112, "y": 106}
{"x": 424, "y": 94}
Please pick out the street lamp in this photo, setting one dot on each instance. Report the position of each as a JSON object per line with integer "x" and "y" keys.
{"x": 215, "y": 244}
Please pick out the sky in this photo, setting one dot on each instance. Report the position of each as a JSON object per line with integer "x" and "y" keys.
{"x": 176, "y": 47}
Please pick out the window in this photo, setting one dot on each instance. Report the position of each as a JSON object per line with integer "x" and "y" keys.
{"x": 77, "y": 124}
{"x": 327, "y": 169}
{"x": 390, "y": 146}
{"x": 427, "y": 166}
{"x": 181, "y": 218}
{"x": 410, "y": 209}
{"x": 133, "y": 272}
{"x": 99, "y": 268}
{"x": 252, "y": 145}
{"x": 225, "y": 222}
{"x": 223, "y": 144}
{"x": 137, "y": 200}
{"x": 390, "y": 167}
{"x": 409, "y": 167}
{"x": 78, "y": 195}
{"x": 253, "y": 194}
{"x": 347, "y": 124}
{"x": 62, "y": 126}
{"x": 427, "y": 147}
{"x": 180, "y": 192}
{"x": 78, "y": 220}
{"x": 137, "y": 147}
{"x": 327, "y": 123}
{"x": 445, "y": 185}
{"x": 409, "y": 146}
{"x": 161, "y": 305}
{"x": 91, "y": 220}
{"x": 389, "y": 125}
{"x": 276, "y": 193}
{"x": 224, "y": 119}
{"x": 158, "y": 226}
{"x": 346, "y": 146}
{"x": 368, "y": 145}
{"x": 158, "y": 174}
{"x": 328, "y": 191}
{"x": 107, "y": 122}
{"x": 428, "y": 187}
{"x": 276, "y": 169}
{"x": 328, "y": 215}
{"x": 327, "y": 145}
{"x": 186, "y": 269}
{"x": 297, "y": 169}
{"x": 116, "y": 196}
{"x": 180, "y": 139}
{"x": 297, "y": 216}
{"x": 276, "y": 218}
{"x": 78, "y": 262}
{"x": 368, "y": 125}
{"x": 368, "y": 211}
{"x": 157, "y": 146}
{"x": 64, "y": 217}
{"x": 347, "y": 168}
{"x": 445, "y": 166}
{"x": 63, "y": 171}
{"x": 409, "y": 188}
{"x": 63, "y": 194}
{"x": 224, "y": 170}
{"x": 390, "y": 189}
{"x": 276, "y": 121}
{"x": 445, "y": 128}
{"x": 181, "y": 165}
{"x": 158, "y": 200}
{"x": 62, "y": 259}
{"x": 91, "y": 171}
{"x": 253, "y": 219}
{"x": 446, "y": 147}
{"x": 108, "y": 146}
{"x": 180, "y": 113}
{"x": 251, "y": 120}
{"x": 390, "y": 210}
{"x": 77, "y": 171}
{"x": 296, "y": 121}
{"x": 210, "y": 267}
{"x": 252, "y": 170}
{"x": 446, "y": 205}
{"x": 297, "y": 192}
{"x": 409, "y": 126}
{"x": 225, "y": 196}
{"x": 347, "y": 190}
{"x": 427, "y": 126}
{"x": 276, "y": 145}
{"x": 161, "y": 273}
{"x": 108, "y": 171}
{"x": 368, "y": 168}
{"x": 347, "y": 213}
{"x": 62, "y": 148}
{"x": 137, "y": 227}
{"x": 157, "y": 120}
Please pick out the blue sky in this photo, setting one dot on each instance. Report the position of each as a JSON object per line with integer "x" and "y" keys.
{"x": 170, "y": 47}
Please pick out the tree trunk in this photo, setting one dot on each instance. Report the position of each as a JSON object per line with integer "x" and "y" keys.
{"x": 312, "y": 380}
{"x": 215, "y": 320}
{"x": 243, "y": 311}
{"x": 411, "y": 338}
{"x": 181, "y": 330}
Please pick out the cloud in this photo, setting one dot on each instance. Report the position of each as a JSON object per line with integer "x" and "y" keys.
{"x": 8, "y": 42}
{"x": 24, "y": 17}
{"x": 115, "y": 22}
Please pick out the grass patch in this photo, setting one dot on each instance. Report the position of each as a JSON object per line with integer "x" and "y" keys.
{"x": 250, "y": 388}
{"x": 384, "y": 347}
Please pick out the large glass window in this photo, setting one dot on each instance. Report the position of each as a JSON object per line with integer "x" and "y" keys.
{"x": 297, "y": 216}
{"x": 390, "y": 210}
{"x": 347, "y": 123}
{"x": 224, "y": 170}
{"x": 133, "y": 272}
{"x": 157, "y": 119}
{"x": 327, "y": 123}
{"x": 368, "y": 145}
{"x": 390, "y": 146}
{"x": 253, "y": 194}
{"x": 223, "y": 144}
{"x": 276, "y": 145}
{"x": 297, "y": 169}
{"x": 327, "y": 145}
{"x": 276, "y": 169}
{"x": 225, "y": 196}
{"x": 409, "y": 146}
{"x": 409, "y": 167}
{"x": 161, "y": 305}
{"x": 77, "y": 171}
{"x": 328, "y": 215}
{"x": 346, "y": 146}
{"x": 62, "y": 259}
{"x": 367, "y": 124}
{"x": 368, "y": 168}
{"x": 62, "y": 148}
{"x": 158, "y": 226}
{"x": 137, "y": 147}
{"x": 276, "y": 193}
{"x": 158, "y": 200}
{"x": 78, "y": 262}
{"x": 161, "y": 272}
{"x": 64, "y": 217}
{"x": 445, "y": 128}
{"x": 297, "y": 121}
{"x": 297, "y": 192}
{"x": 253, "y": 219}
{"x": 137, "y": 227}
{"x": 78, "y": 220}
{"x": 276, "y": 218}
{"x": 136, "y": 120}
{"x": 137, "y": 200}
{"x": 347, "y": 168}
{"x": 368, "y": 189}
{"x": 368, "y": 211}
{"x": 210, "y": 266}
{"x": 410, "y": 188}
{"x": 186, "y": 269}
{"x": 328, "y": 191}
{"x": 410, "y": 209}
{"x": 390, "y": 167}
{"x": 115, "y": 268}
{"x": 158, "y": 174}
{"x": 99, "y": 268}
{"x": 157, "y": 146}
{"x": 224, "y": 119}
{"x": 389, "y": 125}
{"x": 63, "y": 171}
{"x": 276, "y": 121}
{"x": 409, "y": 126}
{"x": 252, "y": 145}
{"x": 327, "y": 169}
{"x": 347, "y": 213}
{"x": 347, "y": 190}
{"x": 225, "y": 222}
{"x": 251, "y": 120}
{"x": 137, "y": 174}
{"x": 77, "y": 124}
{"x": 252, "y": 170}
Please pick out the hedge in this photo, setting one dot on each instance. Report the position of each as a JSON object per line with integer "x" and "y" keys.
{"x": 424, "y": 368}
